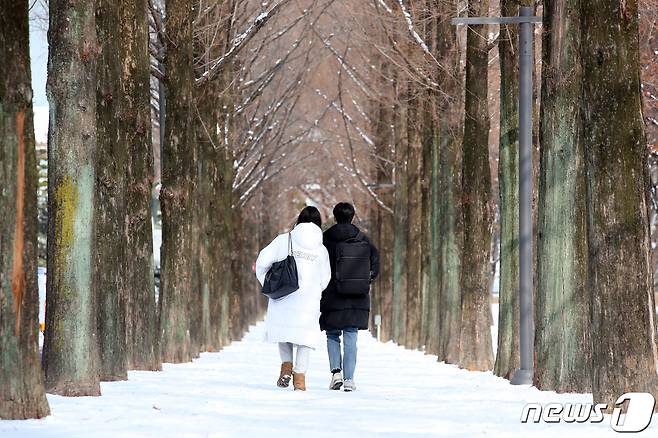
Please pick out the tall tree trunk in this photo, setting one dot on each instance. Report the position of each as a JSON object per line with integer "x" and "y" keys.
{"x": 224, "y": 230}
{"x": 623, "y": 312}
{"x": 450, "y": 219}
{"x": 207, "y": 140}
{"x": 400, "y": 226}
{"x": 426, "y": 288}
{"x": 196, "y": 297}
{"x": 237, "y": 290}
{"x": 507, "y": 354}
{"x": 176, "y": 194}
{"x": 382, "y": 291}
{"x": 109, "y": 202}
{"x": 385, "y": 279}
{"x": 141, "y": 322}
{"x": 562, "y": 307}
{"x": 440, "y": 41}
{"x": 225, "y": 245}
{"x": 433, "y": 286}
{"x": 22, "y": 392}
{"x": 70, "y": 349}
{"x": 383, "y": 220}
{"x": 415, "y": 221}
{"x": 475, "y": 340}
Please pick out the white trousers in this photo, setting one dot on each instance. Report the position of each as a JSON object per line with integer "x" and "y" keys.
{"x": 303, "y": 354}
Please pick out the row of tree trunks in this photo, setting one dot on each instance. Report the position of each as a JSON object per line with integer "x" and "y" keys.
{"x": 22, "y": 392}
{"x": 442, "y": 206}
{"x": 101, "y": 317}
{"x": 207, "y": 296}
{"x": 214, "y": 103}
{"x": 246, "y": 304}
{"x": 100, "y": 262}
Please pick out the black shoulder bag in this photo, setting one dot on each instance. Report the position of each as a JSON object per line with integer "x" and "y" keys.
{"x": 282, "y": 280}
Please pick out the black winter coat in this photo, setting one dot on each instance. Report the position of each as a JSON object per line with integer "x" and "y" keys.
{"x": 339, "y": 311}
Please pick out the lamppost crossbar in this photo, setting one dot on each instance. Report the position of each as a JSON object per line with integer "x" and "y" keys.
{"x": 497, "y": 20}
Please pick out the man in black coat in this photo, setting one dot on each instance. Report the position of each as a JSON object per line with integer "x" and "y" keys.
{"x": 342, "y": 312}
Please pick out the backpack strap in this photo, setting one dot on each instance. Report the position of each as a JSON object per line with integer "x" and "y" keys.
{"x": 289, "y": 244}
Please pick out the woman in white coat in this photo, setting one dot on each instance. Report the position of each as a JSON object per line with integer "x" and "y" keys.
{"x": 293, "y": 321}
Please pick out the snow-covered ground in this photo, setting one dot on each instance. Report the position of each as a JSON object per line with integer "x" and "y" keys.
{"x": 232, "y": 393}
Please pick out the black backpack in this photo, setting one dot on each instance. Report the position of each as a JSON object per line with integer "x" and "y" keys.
{"x": 282, "y": 280}
{"x": 353, "y": 266}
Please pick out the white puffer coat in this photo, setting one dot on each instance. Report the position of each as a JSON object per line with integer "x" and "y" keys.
{"x": 295, "y": 318}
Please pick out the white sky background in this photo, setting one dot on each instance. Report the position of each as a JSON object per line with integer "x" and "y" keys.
{"x": 39, "y": 64}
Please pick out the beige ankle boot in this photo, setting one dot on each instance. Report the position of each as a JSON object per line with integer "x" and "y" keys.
{"x": 285, "y": 375}
{"x": 299, "y": 381}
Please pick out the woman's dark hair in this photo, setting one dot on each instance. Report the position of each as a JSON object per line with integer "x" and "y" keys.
{"x": 344, "y": 213}
{"x": 310, "y": 214}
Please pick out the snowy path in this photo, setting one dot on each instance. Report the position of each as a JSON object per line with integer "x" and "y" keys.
{"x": 232, "y": 393}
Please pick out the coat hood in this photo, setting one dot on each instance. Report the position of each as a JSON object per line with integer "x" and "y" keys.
{"x": 306, "y": 235}
{"x": 342, "y": 232}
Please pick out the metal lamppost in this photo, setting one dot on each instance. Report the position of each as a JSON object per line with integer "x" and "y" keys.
{"x": 525, "y": 20}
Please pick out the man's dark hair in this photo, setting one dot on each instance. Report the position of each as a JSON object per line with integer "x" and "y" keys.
{"x": 310, "y": 214}
{"x": 344, "y": 213}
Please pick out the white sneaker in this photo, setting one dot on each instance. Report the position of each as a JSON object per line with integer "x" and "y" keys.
{"x": 349, "y": 385}
{"x": 336, "y": 380}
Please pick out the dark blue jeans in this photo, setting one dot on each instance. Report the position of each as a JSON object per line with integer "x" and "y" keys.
{"x": 348, "y": 363}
